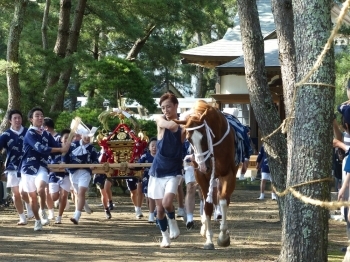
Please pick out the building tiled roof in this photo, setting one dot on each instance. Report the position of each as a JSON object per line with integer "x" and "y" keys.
{"x": 231, "y": 46}
{"x": 271, "y": 56}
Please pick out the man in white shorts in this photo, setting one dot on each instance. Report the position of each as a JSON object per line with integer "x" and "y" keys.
{"x": 81, "y": 152}
{"x": 262, "y": 164}
{"x": 38, "y": 144}
{"x": 166, "y": 166}
{"x": 59, "y": 183}
{"x": 12, "y": 141}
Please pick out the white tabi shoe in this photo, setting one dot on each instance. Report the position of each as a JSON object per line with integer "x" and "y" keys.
{"x": 173, "y": 228}
{"x": 166, "y": 239}
{"x": 44, "y": 220}
{"x": 38, "y": 226}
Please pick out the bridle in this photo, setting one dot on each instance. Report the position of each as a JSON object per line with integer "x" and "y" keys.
{"x": 208, "y": 153}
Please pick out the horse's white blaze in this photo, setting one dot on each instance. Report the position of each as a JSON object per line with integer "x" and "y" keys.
{"x": 196, "y": 142}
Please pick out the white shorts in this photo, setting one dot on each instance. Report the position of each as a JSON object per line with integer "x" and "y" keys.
{"x": 266, "y": 176}
{"x": 159, "y": 186}
{"x": 63, "y": 183}
{"x": 12, "y": 179}
{"x": 80, "y": 178}
{"x": 189, "y": 175}
{"x": 30, "y": 183}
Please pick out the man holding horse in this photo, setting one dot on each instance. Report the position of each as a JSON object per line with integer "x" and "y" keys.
{"x": 166, "y": 167}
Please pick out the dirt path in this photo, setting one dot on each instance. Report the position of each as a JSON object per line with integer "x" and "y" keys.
{"x": 254, "y": 228}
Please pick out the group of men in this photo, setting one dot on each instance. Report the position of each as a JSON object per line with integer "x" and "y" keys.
{"x": 29, "y": 151}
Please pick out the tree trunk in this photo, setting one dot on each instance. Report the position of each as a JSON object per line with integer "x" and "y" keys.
{"x": 12, "y": 73}
{"x": 60, "y": 46}
{"x": 306, "y": 226}
{"x": 284, "y": 21}
{"x": 44, "y": 24}
{"x": 135, "y": 50}
{"x": 200, "y": 70}
{"x": 283, "y": 16}
{"x": 65, "y": 75}
{"x": 259, "y": 93}
{"x": 44, "y": 39}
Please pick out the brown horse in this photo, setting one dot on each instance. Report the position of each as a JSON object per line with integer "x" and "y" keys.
{"x": 213, "y": 141}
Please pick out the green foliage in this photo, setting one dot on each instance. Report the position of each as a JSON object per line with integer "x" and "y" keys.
{"x": 113, "y": 78}
{"x": 149, "y": 126}
{"x": 87, "y": 115}
{"x": 342, "y": 65}
{"x": 91, "y": 117}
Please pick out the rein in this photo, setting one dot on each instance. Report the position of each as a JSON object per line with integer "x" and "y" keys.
{"x": 208, "y": 153}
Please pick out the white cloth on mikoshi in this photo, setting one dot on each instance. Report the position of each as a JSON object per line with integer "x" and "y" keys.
{"x": 83, "y": 130}
{"x": 119, "y": 111}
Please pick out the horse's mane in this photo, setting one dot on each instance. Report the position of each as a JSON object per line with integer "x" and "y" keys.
{"x": 201, "y": 111}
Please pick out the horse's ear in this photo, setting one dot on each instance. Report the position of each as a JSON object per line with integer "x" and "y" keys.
{"x": 180, "y": 122}
{"x": 205, "y": 112}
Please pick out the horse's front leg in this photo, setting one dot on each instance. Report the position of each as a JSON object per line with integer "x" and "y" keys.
{"x": 209, "y": 231}
{"x": 224, "y": 237}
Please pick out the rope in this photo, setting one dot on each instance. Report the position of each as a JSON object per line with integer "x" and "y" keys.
{"x": 331, "y": 205}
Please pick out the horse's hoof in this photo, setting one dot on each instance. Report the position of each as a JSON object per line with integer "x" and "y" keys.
{"x": 209, "y": 246}
{"x": 224, "y": 242}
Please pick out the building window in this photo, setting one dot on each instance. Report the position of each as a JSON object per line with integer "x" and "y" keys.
{"x": 243, "y": 114}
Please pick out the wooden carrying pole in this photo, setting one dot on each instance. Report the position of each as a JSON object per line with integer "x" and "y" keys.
{"x": 104, "y": 168}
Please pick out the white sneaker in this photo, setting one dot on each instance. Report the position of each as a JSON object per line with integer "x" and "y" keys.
{"x": 51, "y": 215}
{"x": 30, "y": 213}
{"x": 67, "y": 206}
{"x": 22, "y": 222}
{"x": 181, "y": 212}
{"x": 56, "y": 203}
{"x": 44, "y": 220}
{"x": 166, "y": 239}
{"x": 241, "y": 177}
{"x": 273, "y": 196}
{"x": 151, "y": 218}
{"x": 139, "y": 214}
{"x": 87, "y": 208}
{"x": 173, "y": 228}
{"x": 38, "y": 226}
{"x": 260, "y": 198}
{"x": 58, "y": 220}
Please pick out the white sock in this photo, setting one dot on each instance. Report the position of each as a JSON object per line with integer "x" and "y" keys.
{"x": 28, "y": 208}
{"x": 22, "y": 217}
{"x": 51, "y": 212}
{"x": 262, "y": 195}
{"x": 189, "y": 217}
{"x": 136, "y": 208}
{"x": 59, "y": 217}
{"x": 77, "y": 214}
{"x": 151, "y": 215}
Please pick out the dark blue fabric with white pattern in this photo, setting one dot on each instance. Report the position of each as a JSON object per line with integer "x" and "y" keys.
{"x": 242, "y": 142}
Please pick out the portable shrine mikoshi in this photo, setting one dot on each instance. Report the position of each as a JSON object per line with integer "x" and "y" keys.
{"x": 120, "y": 150}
